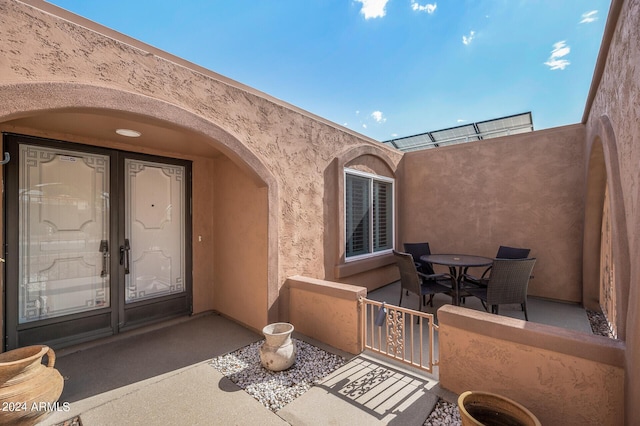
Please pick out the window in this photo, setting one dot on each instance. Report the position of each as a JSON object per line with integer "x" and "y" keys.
{"x": 368, "y": 214}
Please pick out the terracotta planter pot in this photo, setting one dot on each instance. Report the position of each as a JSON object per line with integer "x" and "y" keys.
{"x": 29, "y": 390}
{"x": 278, "y": 351}
{"x": 489, "y": 409}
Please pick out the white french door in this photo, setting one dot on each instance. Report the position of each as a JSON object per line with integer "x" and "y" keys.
{"x": 96, "y": 241}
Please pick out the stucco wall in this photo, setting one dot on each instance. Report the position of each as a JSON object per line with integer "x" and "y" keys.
{"x": 564, "y": 378}
{"x": 325, "y": 311}
{"x": 616, "y": 104}
{"x": 285, "y": 149}
{"x": 240, "y": 245}
{"x": 521, "y": 190}
{"x": 203, "y": 234}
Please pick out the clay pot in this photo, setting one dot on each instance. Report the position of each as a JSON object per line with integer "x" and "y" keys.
{"x": 29, "y": 390}
{"x": 278, "y": 351}
{"x": 489, "y": 409}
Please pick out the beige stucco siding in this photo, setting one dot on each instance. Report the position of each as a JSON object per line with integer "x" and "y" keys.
{"x": 522, "y": 191}
{"x": 613, "y": 122}
{"x": 52, "y": 61}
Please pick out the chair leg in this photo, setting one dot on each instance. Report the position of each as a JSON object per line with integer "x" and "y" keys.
{"x": 484, "y": 305}
{"x": 400, "y": 302}
{"x": 524, "y": 308}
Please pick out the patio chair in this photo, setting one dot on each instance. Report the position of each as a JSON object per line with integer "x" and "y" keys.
{"x": 416, "y": 250}
{"x": 507, "y": 284}
{"x": 504, "y": 252}
{"x": 419, "y": 283}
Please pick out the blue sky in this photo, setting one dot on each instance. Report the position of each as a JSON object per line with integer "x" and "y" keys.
{"x": 384, "y": 68}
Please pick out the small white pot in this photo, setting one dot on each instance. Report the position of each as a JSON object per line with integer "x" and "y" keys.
{"x": 278, "y": 351}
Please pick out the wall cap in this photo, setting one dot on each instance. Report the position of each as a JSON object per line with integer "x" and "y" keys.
{"x": 555, "y": 339}
{"x": 330, "y": 288}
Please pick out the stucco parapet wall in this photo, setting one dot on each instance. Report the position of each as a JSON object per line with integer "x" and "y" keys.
{"x": 327, "y": 288}
{"x": 581, "y": 345}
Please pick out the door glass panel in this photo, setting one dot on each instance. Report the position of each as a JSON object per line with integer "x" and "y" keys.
{"x": 154, "y": 226}
{"x": 63, "y": 233}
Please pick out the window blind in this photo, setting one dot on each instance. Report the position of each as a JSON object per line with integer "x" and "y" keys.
{"x": 357, "y": 215}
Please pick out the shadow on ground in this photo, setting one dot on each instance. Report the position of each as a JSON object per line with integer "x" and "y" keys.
{"x": 366, "y": 390}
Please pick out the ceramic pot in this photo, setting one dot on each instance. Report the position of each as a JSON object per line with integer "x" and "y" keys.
{"x": 278, "y": 351}
{"x": 489, "y": 409}
{"x": 29, "y": 389}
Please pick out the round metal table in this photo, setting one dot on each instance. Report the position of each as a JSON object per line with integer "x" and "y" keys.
{"x": 460, "y": 261}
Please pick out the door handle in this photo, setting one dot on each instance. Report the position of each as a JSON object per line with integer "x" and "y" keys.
{"x": 124, "y": 255}
{"x": 104, "y": 249}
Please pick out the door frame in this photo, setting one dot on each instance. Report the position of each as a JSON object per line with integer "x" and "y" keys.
{"x": 90, "y": 325}
{"x": 146, "y": 311}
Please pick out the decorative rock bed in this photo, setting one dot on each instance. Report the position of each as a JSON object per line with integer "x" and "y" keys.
{"x": 599, "y": 324}
{"x": 276, "y": 389}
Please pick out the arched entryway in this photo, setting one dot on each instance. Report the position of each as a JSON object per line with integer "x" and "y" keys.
{"x": 606, "y": 267}
{"x": 88, "y": 115}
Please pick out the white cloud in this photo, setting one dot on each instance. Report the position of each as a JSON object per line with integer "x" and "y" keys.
{"x": 429, "y": 8}
{"x": 556, "y": 61}
{"x": 373, "y": 8}
{"x": 461, "y": 120}
{"x": 589, "y": 17}
{"x": 378, "y": 116}
{"x": 467, "y": 39}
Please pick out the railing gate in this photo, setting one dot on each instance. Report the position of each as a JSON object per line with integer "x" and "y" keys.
{"x": 402, "y": 334}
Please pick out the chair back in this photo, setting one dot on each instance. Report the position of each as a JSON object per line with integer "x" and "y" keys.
{"x": 505, "y": 252}
{"x": 409, "y": 278}
{"x": 419, "y": 249}
{"x": 509, "y": 281}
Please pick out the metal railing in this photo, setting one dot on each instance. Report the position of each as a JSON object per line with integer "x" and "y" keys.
{"x": 402, "y": 334}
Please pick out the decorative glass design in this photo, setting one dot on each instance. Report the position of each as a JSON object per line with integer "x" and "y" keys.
{"x": 154, "y": 224}
{"x": 63, "y": 228}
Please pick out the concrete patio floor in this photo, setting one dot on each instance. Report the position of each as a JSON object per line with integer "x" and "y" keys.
{"x": 559, "y": 314}
{"x": 161, "y": 375}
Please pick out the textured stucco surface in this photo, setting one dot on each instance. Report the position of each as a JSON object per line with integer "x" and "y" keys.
{"x": 240, "y": 263}
{"x": 284, "y": 149}
{"x": 521, "y": 191}
{"x": 325, "y": 311}
{"x": 561, "y": 387}
{"x": 617, "y": 102}
{"x": 461, "y": 198}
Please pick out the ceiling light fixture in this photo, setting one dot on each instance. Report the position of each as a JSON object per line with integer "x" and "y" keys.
{"x": 128, "y": 133}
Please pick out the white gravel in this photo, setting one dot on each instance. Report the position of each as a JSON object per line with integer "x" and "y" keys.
{"x": 444, "y": 413}
{"x": 599, "y": 324}
{"x": 276, "y": 389}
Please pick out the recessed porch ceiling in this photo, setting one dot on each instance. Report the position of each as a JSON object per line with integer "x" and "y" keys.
{"x": 101, "y": 125}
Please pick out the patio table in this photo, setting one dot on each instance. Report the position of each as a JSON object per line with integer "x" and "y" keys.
{"x": 460, "y": 261}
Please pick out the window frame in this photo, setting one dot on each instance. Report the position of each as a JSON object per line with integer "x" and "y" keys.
{"x": 371, "y": 177}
